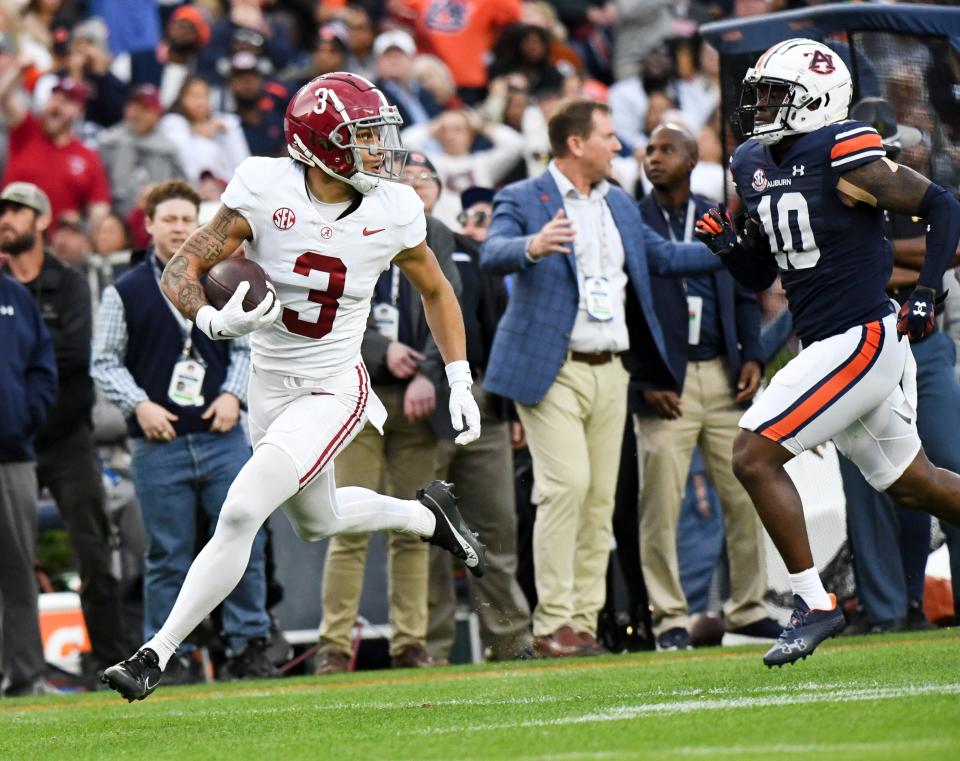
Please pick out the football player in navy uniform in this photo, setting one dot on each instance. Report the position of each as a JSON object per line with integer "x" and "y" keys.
{"x": 814, "y": 186}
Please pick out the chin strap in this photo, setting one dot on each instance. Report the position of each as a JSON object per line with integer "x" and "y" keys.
{"x": 359, "y": 181}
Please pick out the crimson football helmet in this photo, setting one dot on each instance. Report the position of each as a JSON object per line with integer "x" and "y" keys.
{"x": 334, "y": 118}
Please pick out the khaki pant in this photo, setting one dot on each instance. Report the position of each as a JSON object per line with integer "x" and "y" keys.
{"x": 666, "y": 447}
{"x": 483, "y": 475}
{"x": 575, "y": 435}
{"x": 402, "y": 459}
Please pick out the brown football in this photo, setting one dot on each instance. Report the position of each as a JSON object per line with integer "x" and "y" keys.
{"x": 224, "y": 277}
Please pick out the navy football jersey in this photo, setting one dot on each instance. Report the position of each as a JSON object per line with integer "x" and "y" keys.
{"x": 834, "y": 259}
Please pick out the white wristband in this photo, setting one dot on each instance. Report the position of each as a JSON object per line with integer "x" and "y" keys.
{"x": 204, "y": 320}
{"x": 459, "y": 372}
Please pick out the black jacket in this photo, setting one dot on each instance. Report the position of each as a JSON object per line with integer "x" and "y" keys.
{"x": 28, "y": 373}
{"x": 737, "y": 307}
{"x": 63, "y": 296}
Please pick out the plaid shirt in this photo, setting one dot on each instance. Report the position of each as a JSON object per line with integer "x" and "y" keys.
{"x": 110, "y": 351}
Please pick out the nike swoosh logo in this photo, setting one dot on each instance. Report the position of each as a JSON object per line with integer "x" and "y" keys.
{"x": 372, "y": 232}
{"x": 147, "y": 685}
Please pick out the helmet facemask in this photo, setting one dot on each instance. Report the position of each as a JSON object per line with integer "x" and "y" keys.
{"x": 376, "y": 136}
{"x": 764, "y": 96}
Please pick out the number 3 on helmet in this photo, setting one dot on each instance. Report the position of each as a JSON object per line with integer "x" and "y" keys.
{"x": 336, "y": 118}
{"x": 797, "y": 86}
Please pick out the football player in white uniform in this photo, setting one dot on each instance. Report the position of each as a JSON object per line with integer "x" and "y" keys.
{"x": 323, "y": 224}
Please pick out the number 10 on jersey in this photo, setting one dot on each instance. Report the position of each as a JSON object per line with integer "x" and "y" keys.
{"x": 792, "y": 254}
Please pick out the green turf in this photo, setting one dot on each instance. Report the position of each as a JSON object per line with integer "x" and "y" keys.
{"x": 893, "y": 697}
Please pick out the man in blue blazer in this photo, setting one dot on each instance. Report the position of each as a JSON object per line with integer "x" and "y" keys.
{"x": 712, "y": 332}
{"x": 579, "y": 257}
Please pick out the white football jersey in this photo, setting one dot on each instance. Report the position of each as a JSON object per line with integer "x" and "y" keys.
{"x": 325, "y": 272}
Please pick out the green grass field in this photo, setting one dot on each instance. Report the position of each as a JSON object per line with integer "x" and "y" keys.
{"x": 891, "y": 697}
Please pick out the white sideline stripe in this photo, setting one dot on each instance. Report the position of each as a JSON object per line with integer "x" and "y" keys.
{"x": 624, "y": 713}
{"x": 884, "y": 748}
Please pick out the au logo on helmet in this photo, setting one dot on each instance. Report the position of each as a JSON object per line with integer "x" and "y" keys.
{"x": 821, "y": 63}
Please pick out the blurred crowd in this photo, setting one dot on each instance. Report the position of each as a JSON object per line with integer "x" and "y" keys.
{"x": 103, "y": 100}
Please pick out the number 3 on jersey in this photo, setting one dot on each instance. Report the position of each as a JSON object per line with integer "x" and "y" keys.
{"x": 327, "y": 299}
{"x": 784, "y": 239}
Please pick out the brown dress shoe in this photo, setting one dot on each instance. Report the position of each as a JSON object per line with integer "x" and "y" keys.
{"x": 562, "y": 643}
{"x": 331, "y": 662}
{"x": 590, "y": 644}
{"x": 411, "y": 657}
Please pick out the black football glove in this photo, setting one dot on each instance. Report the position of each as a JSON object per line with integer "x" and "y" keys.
{"x": 715, "y": 230}
{"x": 918, "y": 313}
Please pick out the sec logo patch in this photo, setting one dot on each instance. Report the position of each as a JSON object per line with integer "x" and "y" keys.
{"x": 284, "y": 218}
{"x": 759, "y": 180}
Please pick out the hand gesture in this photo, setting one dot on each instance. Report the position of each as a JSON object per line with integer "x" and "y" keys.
{"x": 715, "y": 230}
{"x": 554, "y": 237}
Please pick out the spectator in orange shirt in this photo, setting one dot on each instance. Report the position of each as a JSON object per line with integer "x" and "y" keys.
{"x": 461, "y": 33}
{"x": 43, "y": 149}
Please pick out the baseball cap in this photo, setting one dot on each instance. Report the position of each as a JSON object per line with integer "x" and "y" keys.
{"x": 335, "y": 31}
{"x": 194, "y": 16}
{"x": 244, "y": 61}
{"x": 880, "y": 114}
{"x": 74, "y": 89}
{"x": 26, "y": 194}
{"x": 395, "y": 38}
{"x": 147, "y": 95}
{"x": 418, "y": 158}
{"x": 474, "y": 195}
{"x": 250, "y": 38}
{"x": 94, "y": 31}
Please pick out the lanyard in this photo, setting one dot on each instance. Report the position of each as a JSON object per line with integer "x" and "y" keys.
{"x": 600, "y": 216}
{"x": 394, "y": 284}
{"x": 687, "y": 225}
{"x": 186, "y": 327}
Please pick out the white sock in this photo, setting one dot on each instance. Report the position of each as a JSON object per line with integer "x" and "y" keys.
{"x": 217, "y": 570}
{"x": 361, "y": 510}
{"x": 808, "y": 585}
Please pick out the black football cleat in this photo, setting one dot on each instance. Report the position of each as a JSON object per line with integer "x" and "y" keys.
{"x": 451, "y": 533}
{"x": 136, "y": 677}
{"x": 807, "y": 629}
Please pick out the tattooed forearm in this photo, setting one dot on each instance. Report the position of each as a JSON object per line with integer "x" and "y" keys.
{"x": 182, "y": 286}
{"x": 885, "y": 184}
{"x": 209, "y": 244}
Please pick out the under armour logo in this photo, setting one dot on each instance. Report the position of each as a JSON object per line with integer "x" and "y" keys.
{"x": 920, "y": 309}
{"x": 793, "y": 647}
{"x": 798, "y": 170}
{"x": 7, "y": 310}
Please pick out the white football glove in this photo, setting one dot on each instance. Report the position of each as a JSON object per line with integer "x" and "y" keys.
{"x": 232, "y": 321}
{"x": 463, "y": 407}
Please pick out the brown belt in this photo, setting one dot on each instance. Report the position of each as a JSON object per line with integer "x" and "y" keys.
{"x": 596, "y": 358}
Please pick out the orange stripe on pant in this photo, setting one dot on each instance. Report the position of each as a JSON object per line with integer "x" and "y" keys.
{"x": 830, "y": 390}
{"x": 853, "y": 144}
